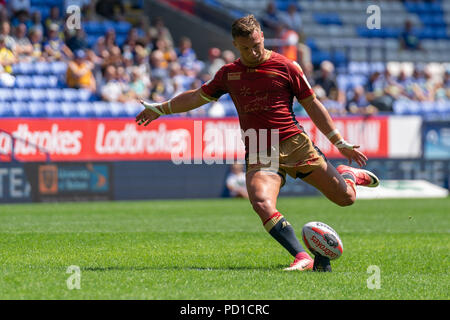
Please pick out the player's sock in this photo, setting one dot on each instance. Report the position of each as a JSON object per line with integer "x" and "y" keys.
{"x": 282, "y": 231}
{"x": 350, "y": 180}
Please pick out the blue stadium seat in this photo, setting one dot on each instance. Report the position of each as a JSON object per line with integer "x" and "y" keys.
{"x": 6, "y": 95}
{"x": 42, "y": 82}
{"x": 6, "y": 110}
{"x": 23, "y": 81}
{"x": 84, "y": 95}
{"x": 53, "y": 109}
{"x": 38, "y": 95}
{"x": 20, "y": 109}
{"x": 122, "y": 27}
{"x": 69, "y": 109}
{"x": 23, "y": 68}
{"x": 42, "y": 68}
{"x": 118, "y": 109}
{"x": 94, "y": 28}
{"x": 54, "y": 95}
{"x": 37, "y": 109}
{"x": 85, "y": 109}
{"x": 101, "y": 109}
{"x": 70, "y": 95}
{"x": 400, "y": 107}
{"x": 21, "y": 95}
{"x": 132, "y": 109}
{"x": 58, "y": 68}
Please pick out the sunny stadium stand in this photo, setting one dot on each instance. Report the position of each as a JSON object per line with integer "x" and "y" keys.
{"x": 402, "y": 78}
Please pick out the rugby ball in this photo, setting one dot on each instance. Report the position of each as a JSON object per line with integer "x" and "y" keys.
{"x": 321, "y": 239}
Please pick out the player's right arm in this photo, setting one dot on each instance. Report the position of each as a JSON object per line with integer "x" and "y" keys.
{"x": 185, "y": 101}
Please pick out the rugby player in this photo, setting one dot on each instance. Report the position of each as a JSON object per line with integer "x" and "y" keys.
{"x": 262, "y": 84}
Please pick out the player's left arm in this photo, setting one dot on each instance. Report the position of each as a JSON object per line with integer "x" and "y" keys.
{"x": 323, "y": 121}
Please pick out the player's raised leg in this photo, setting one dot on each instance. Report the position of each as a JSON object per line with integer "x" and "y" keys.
{"x": 263, "y": 189}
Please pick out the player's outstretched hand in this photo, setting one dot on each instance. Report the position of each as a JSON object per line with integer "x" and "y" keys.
{"x": 146, "y": 116}
{"x": 353, "y": 154}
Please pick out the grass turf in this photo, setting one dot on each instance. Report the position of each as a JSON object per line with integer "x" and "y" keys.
{"x": 218, "y": 249}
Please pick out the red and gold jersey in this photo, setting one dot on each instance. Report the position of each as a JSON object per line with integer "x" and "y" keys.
{"x": 263, "y": 95}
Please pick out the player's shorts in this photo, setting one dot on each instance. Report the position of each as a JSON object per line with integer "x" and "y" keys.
{"x": 298, "y": 157}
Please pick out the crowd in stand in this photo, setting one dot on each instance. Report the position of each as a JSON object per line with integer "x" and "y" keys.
{"x": 149, "y": 65}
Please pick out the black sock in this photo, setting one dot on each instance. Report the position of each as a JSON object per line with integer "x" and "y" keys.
{"x": 282, "y": 231}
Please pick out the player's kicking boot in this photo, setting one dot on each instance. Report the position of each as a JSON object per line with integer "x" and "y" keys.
{"x": 361, "y": 177}
{"x": 302, "y": 262}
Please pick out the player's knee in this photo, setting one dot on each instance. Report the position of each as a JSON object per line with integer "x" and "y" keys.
{"x": 346, "y": 200}
{"x": 262, "y": 206}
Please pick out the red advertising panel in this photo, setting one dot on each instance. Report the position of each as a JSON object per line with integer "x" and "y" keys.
{"x": 179, "y": 140}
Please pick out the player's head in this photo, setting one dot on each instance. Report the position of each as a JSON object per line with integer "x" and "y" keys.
{"x": 248, "y": 39}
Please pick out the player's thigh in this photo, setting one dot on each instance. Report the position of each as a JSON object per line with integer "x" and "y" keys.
{"x": 263, "y": 188}
{"x": 328, "y": 181}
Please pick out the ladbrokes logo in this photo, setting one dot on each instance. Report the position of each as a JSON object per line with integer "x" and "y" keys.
{"x": 54, "y": 141}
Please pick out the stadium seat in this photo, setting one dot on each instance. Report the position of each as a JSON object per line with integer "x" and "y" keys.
{"x": 42, "y": 68}
{"x": 23, "y": 68}
{"x": 70, "y": 95}
{"x": 122, "y": 27}
{"x": 53, "y": 109}
{"x": 6, "y": 110}
{"x": 101, "y": 109}
{"x": 38, "y": 95}
{"x": 118, "y": 109}
{"x": 21, "y": 95}
{"x": 58, "y": 68}
{"x": 54, "y": 95}
{"x": 24, "y": 82}
{"x": 85, "y": 109}
{"x": 69, "y": 109}
{"x": 6, "y": 95}
{"x": 132, "y": 109}
{"x": 20, "y": 109}
{"x": 37, "y": 109}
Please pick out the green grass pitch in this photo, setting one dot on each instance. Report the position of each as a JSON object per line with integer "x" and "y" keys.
{"x": 218, "y": 249}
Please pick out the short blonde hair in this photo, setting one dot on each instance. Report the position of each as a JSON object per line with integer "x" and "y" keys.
{"x": 245, "y": 26}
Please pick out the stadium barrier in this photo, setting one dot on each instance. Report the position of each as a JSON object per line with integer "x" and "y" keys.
{"x": 104, "y": 159}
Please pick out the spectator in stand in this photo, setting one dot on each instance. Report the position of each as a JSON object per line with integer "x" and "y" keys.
{"x": 270, "y": 18}
{"x": 110, "y": 39}
{"x": 358, "y": 104}
{"x": 137, "y": 88}
{"x": 292, "y": 18}
{"x": 236, "y": 182}
{"x": 54, "y": 18}
{"x": 327, "y": 80}
{"x": 186, "y": 55}
{"x": 158, "y": 30}
{"x": 215, "y": 62}
{"x": 76, "y": 40}
{"x": 159, "y": 66}
{"x": 228, "y": 56}
{"x": 159, "y": 90}
{"x": 21, "y": 17}
{"x": 36, "y": 22}
{"x": 16, "y": 6}
{"x": 79, "y": 72}
{"x": 289, "y": 41}
{"x": 24, "y": 48}
{"x": 55, "y": 48}
{"x": 35, "y": 36}
{"x": 408, "y": 39}
{"x": 112, "y": 90}
{"x": 332, "y": 106}
{"x": 9, "y": 40}
{"x": 168, "y": 52}
{"x": 7, "y": 57}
